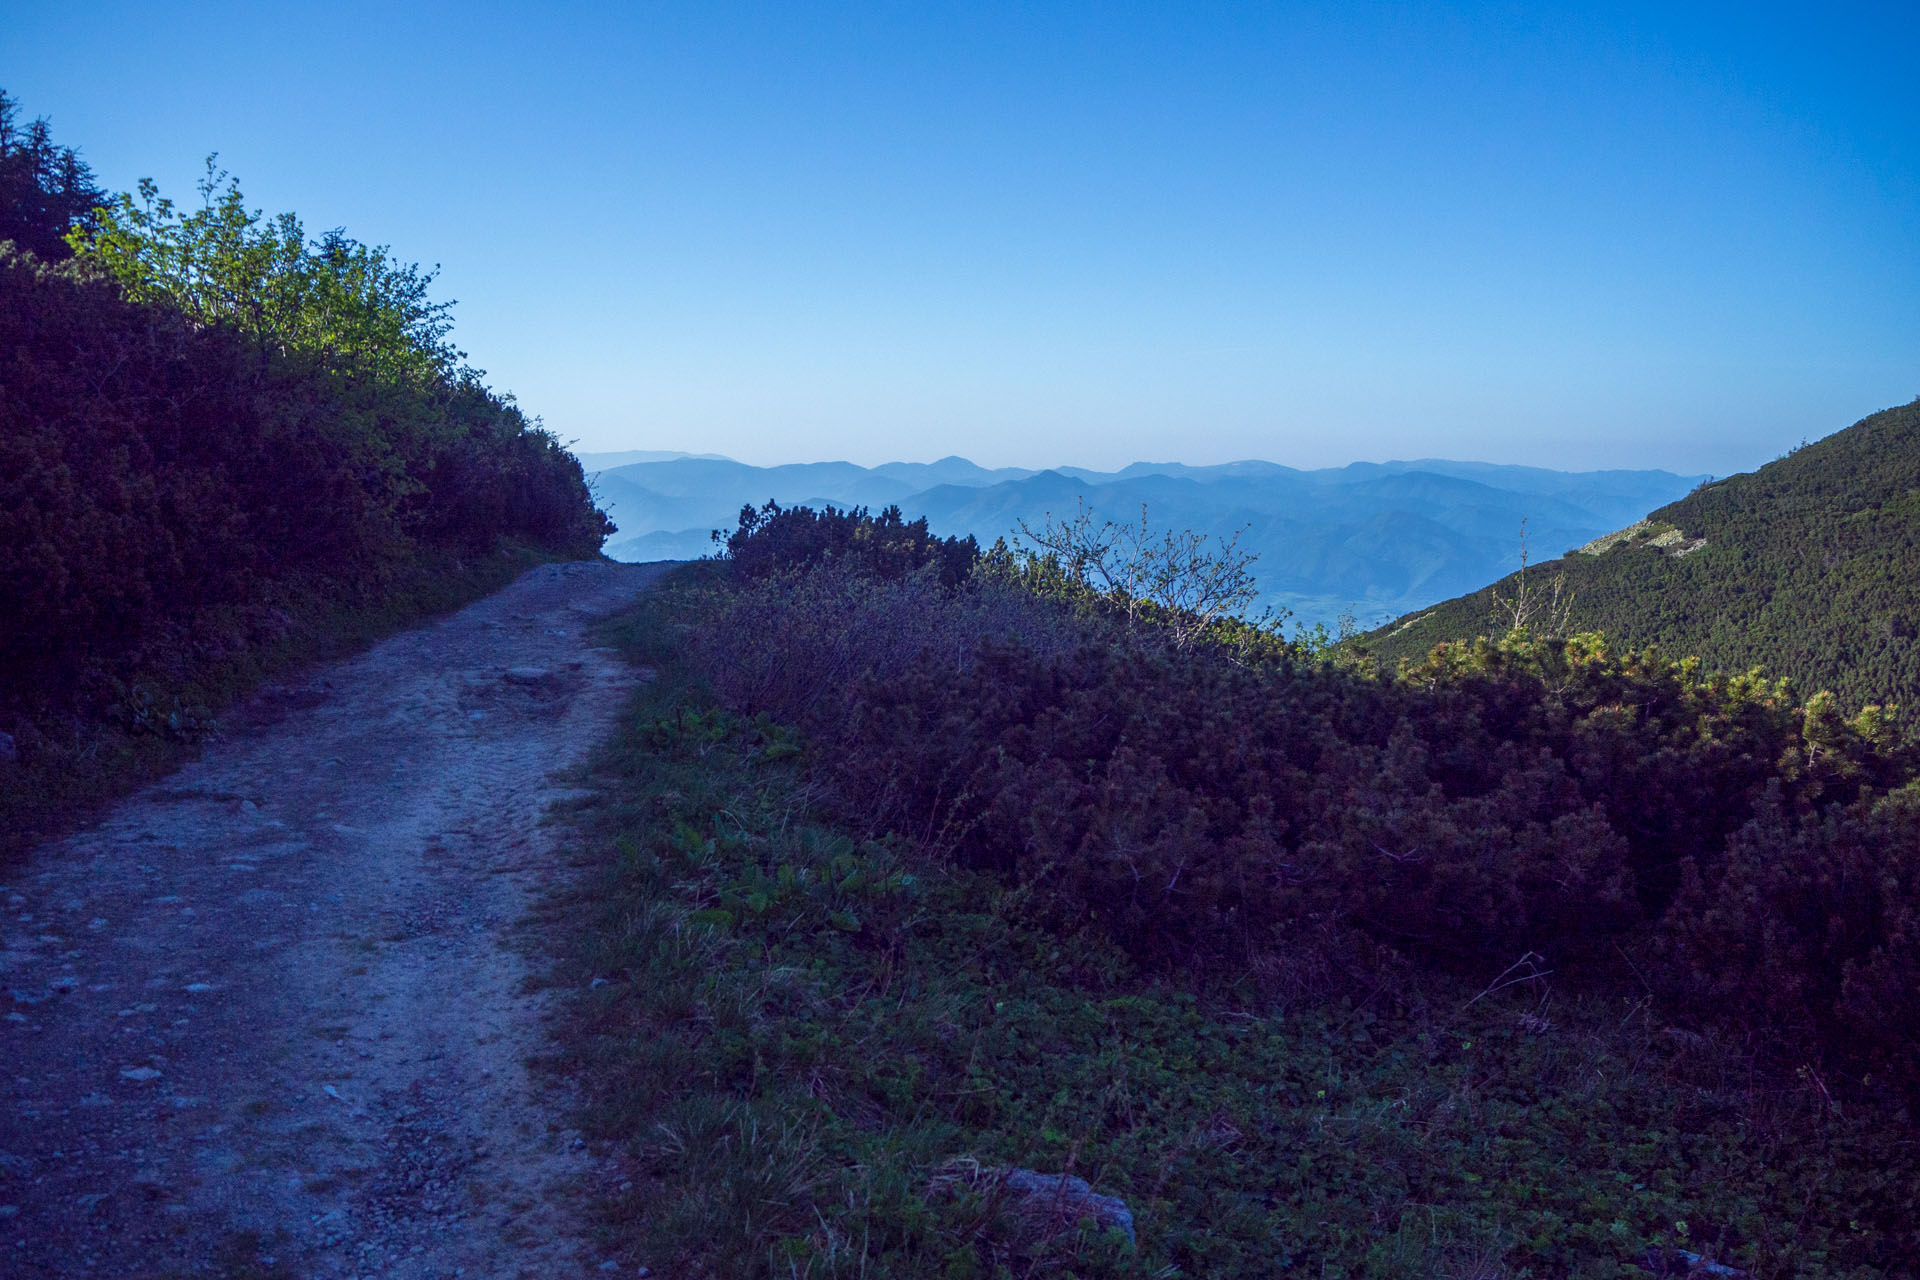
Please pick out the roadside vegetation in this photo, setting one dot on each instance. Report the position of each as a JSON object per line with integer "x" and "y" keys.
{"x": 917, "y": 864}
{"x": 224, "y": 447}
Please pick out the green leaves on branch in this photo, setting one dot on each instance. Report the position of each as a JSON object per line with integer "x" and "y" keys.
{"x": 350, "y": 304}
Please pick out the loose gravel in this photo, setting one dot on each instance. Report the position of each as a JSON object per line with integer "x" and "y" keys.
{"x": 272, "y": 1016}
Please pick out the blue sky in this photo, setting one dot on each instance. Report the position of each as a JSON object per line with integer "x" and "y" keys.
{"x": 1679, "y": 236}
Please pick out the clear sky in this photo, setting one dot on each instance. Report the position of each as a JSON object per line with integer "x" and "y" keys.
{"x": 1677, "y": 235}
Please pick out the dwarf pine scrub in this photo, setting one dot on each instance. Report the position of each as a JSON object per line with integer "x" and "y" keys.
{"x": 896, "y": 882}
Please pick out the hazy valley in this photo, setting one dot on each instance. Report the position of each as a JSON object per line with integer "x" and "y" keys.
{"x": 1373, "y": 539}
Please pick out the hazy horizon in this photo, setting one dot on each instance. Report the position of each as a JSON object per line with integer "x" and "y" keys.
{"x": 664, "y": 451}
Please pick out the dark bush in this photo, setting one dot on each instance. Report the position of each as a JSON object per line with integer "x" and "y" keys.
{"x": 1813, "y": 926}
{"x": 164, "y": 482}
{"x": 1499, "y": 798}
{"x": 775, "y": 539}
{"x": 45, "y": 188}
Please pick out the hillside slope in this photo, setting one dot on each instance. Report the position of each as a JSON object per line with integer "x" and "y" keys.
{"x": 1808, "y": 567}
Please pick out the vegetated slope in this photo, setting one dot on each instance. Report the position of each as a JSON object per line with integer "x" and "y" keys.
{"x": 1543, "y": 950}
{"x": 1808, "y": 567}
{"x": 1371, "y": 538}
{"x": 218, "y": 439}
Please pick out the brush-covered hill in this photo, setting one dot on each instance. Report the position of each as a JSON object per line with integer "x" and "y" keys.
{"x": 1542, "y": 958}
{"x": 1808, "y": 567}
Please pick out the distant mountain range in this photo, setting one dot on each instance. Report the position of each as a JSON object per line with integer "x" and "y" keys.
{"x": 1808, "y": 567}
{"x": 1373, "y": 539}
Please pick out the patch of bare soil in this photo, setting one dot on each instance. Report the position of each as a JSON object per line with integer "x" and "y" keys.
{"x": 270, "y": 1018}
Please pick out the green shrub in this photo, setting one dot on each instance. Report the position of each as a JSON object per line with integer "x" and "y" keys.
{"x": 1813, "y": 926}
{"x": 808, "y": 1050}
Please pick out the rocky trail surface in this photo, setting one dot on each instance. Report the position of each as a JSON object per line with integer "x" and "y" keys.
{"x": 271, "y": 1017}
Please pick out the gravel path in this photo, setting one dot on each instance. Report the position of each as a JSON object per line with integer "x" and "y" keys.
{"x": 269, "y": 1017}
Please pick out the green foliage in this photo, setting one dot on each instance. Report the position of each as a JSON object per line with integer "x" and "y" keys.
{"x": 1209, "y": 813}
{"x": 1173, "y": 589}
{"x": 807, "y": 1044}
{"x": 159, "y": 483}
{"x": 213, "y": 434}
{"x": 1814, "y": 924}
{"x": 1810, "y": 567}
{"x": 348, "y": 303}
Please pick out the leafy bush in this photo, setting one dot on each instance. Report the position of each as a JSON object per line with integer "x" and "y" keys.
{"x": 348, "y": 303}
{"x": 205, "y": 420}
{"x": 806, "y": 1051}
{"x": 1814, "y": 926}
{"x": 158, "y": 478}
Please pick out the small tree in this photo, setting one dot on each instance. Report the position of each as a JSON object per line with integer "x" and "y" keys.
{"x": 1546, "y": 612}
{"x": 45, "y": 188}
{"x": 351, "y": 304}
{"x": 1174, "y": 579}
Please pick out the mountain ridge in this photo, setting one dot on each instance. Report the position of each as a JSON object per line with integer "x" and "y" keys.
{"x": 1325, "y": 538}
{"x": 1808, "y": 567}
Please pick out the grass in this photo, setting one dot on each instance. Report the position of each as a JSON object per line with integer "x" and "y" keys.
{"x": 79, "y": 769}
{"x": 809, "y": 1048}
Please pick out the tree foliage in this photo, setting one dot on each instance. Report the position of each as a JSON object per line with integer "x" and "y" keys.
{"x": 352, "y": 305}
{"x": 45, "y": 188}
{"x": 203, "y": 415}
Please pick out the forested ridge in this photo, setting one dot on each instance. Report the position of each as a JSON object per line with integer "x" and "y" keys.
{"x": 222, "y": 439}
{"x": 1810, "y": 568}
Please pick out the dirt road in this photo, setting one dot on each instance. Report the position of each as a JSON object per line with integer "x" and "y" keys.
{"x": 268, "y": 1017}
